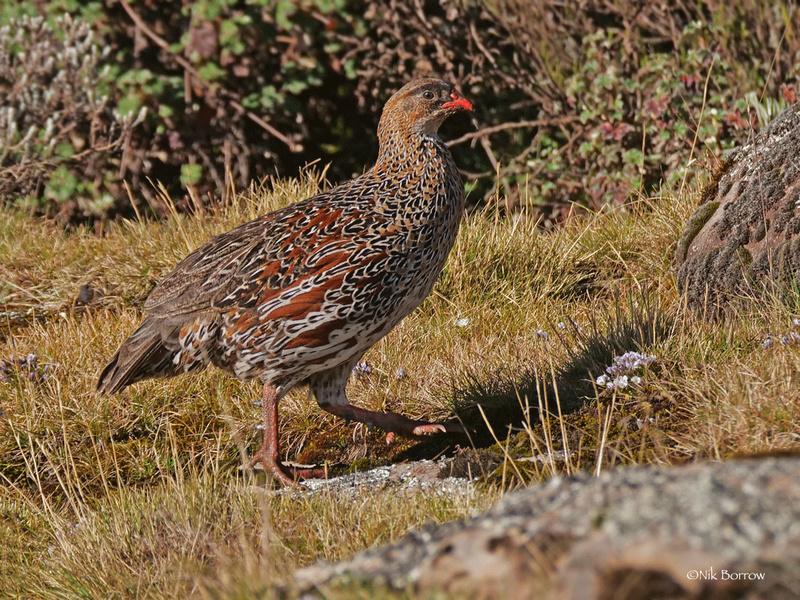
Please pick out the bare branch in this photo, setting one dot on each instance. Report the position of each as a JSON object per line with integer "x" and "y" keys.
{"x": 481, "y": 133}
{"x": 162, "y": 43}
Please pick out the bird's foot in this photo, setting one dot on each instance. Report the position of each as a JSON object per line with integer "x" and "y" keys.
{"x": 427, "y": 429}
{"x": 288, "y": 476}
{"x": 430, "y": 429}
{"x": 395, "y": 424}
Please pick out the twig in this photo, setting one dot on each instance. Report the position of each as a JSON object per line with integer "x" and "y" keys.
{"x": 162, "y": 43}
{"x": 479, "y": 44}
{"x": 488, "y": 149}
{"x": 513, "y": 125}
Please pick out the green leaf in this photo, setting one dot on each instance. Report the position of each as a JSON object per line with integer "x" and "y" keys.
{"x": 62, "y": 185}
{"x": 129, "y": 105}
{"x": 284, "y": 11}
{"x": 296, "y": 86}
{"x": 191, "y": 174}
{"x": 633, "y": 156}
{"x": 65, "y": 150}
{"x": 211, "y": 72}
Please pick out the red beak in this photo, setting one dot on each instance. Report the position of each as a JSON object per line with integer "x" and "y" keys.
{"x": 458, "y": 102}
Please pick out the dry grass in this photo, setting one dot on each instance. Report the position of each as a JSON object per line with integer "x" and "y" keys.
{"x": 140, "y": 495}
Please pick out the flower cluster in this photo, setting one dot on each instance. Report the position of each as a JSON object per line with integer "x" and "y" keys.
{"x": 629, "y": 362}
{"x": 362, "y": 368}
{"x": 26, "y": 367}
{"x": 786, "y": 339}
{"x": 624, "y": 369}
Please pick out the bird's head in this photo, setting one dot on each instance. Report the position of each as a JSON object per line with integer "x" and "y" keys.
{"x": 420, "y": 107}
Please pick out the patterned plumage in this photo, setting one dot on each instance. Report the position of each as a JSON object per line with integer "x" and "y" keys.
{"x": 298, "y": 295}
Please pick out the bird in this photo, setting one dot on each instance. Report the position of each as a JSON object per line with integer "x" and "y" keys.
{"x": 297, "y": 296}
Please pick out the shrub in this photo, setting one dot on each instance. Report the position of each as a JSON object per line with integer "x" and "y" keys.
{"x": 61, "y": 137}
{"x": 575, "y": 104}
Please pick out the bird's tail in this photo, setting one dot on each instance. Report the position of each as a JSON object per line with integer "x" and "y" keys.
{"x": 146, "y": 353}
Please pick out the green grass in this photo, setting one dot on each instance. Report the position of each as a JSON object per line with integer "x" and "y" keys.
{"x": 140, "y": 495}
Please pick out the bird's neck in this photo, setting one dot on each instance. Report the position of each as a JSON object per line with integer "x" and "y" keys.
{"x": 418, "y": 176}
{"x": 401, "y": 151}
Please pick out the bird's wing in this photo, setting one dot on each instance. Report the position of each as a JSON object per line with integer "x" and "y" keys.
{"x": 197, "y": 278}
{"x": 259, "y": 260}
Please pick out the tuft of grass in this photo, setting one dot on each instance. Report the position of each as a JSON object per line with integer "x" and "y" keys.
{"x": 141, "y": 494}
{"x": 200, "y": 531}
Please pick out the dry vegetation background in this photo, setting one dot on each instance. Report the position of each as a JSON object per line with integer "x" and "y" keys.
{"x": 617, "y": 107}
{"x": 577, "y": 103}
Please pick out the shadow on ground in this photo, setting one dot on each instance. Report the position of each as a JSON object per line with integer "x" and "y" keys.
{"x": 500, "y": 403}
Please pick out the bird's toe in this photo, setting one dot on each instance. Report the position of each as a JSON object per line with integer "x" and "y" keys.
{"x": 429, "y": 429}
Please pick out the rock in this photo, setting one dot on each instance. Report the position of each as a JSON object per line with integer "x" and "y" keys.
{"x": 710, "y": 530}
{"x": 743, "y": 238}
{"x": 441, "y": 477}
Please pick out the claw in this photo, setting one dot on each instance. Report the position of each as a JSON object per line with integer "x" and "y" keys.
{"x": 287, "y": 476}
{"x": 429, "y": 429}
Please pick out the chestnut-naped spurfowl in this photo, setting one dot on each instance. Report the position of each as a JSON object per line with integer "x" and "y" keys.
{"x": 297, "y": 296}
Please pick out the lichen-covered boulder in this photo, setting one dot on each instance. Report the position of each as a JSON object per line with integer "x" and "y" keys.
{"x": 743, "y": 238}
{"x": 705, "y": 530}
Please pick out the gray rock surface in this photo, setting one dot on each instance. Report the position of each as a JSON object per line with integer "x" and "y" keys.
{"x": 706, "y": 530}
{"x": 745, "y": 236}
{"x": 403, "y": 478}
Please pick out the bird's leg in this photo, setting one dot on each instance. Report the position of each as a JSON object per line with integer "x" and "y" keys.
{"x": 392, "y": 423}
{"x": 268, "y": 454}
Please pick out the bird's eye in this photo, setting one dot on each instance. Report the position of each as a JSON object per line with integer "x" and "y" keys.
{"x": 428, "y": 95}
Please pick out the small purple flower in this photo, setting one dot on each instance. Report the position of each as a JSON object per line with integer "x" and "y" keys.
{"x": 623, "y": 370}
{"x": 790, "y": 338}
{"x": 26, "y": 367}
{"x": 630, "y": 362}
{"x": 401, "y": 373}
{"x": 362, "y": 368}
{"x": 542, "y": 334}
{"x": 767, "y": 343}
